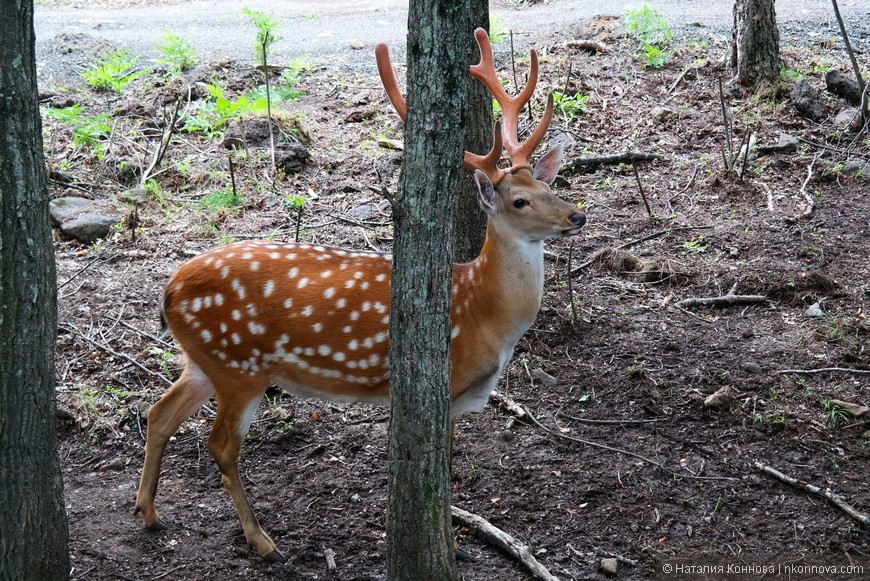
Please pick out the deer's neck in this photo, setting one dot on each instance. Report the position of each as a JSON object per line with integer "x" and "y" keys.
{"x": 504, "y": 285}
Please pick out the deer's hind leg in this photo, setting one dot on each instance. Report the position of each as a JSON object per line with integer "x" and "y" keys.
{"x": 235, "y": 410}
{"x": 186, "y": 395}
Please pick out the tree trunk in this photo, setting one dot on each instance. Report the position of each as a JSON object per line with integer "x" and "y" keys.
{"x": 419, "y": 542}
{"x": 755, "y": 42}
{"x": 33, "y": 530}
{"x": 470, "y": 222}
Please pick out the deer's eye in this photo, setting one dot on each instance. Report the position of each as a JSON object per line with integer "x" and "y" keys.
{"x": 519, "y": 203}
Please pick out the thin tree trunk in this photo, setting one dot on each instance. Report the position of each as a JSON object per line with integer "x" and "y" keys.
{"x": 419, "y": 542}
{"x": 33, "y": 530}
{"x": 755, "y": 42}
{"x": 470, "y": 222}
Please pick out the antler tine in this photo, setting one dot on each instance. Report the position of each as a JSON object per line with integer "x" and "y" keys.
{"x": 388, "y": 78}
{"x": 511, "y": 106}
{"x": 488, "y": 163}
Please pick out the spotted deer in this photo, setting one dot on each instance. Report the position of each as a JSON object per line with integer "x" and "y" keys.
{"x": 315, "y": 319}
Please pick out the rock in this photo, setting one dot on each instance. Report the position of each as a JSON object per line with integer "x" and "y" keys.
{"x": 62, "y": 209}
{"x": 609, "y": 566}
{"x": 544, "y": 377}
{"x": 720, "y": 398}
{"x": 88, "y": 227}
{"x": 857, "y": 168}
{"x": 752, "y": 367}
{"x": 253, "y": 131}
{"x": 660, "y": 114}
{"x": 844, "y": 86}
{"x": 364, "y": 212}
{"x": 815, "y": 310}
{"x": 808, "y": 101}
{"x": 291, "y": 158}
{"x": 785, "y": 144}
{"x": 849, "y": 117}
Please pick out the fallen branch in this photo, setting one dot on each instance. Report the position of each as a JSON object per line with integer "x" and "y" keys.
{"x": 111, "y": 351}
{"x": 811, "y": 201}
{"x": 611, "y": 159}
{"x": 626, "y": 452}
{"x": 588, "y": 45}
{"x": 824, "y": 370}
{"x": 163, "y": 145}
{"x": 504, "y": 541}
{"x": 726, "y": 300}
{"x": 834, "y": 499}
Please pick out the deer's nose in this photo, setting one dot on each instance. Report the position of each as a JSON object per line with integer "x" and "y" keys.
{"x": 578, "y": 219}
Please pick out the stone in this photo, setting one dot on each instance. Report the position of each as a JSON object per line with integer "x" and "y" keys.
{"x": 609, "y": 566}
{"x": 848, "y": 117}
{"x": 815, "y": 310}
{"x": 856, "y": 168}
{"x": 291, "y": 159}
{"x": 88, "y": 227}
{"x": 785, "y": 144}
{"x": 808, "y": 101}
{"x": 844, "y": 86}
{"x": 62, "y": 209}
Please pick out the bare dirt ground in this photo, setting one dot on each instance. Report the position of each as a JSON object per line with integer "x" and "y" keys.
{"x": 630, "y": 368}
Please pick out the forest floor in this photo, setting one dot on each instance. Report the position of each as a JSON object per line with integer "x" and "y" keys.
{"x": 628, "y": 366}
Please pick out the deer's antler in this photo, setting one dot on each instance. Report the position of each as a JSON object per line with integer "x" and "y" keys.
{"x": 511, "y": 107}
{"x": 503, "y": 135}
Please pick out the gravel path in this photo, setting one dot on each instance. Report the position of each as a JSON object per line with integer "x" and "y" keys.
{"x": 342, "y": 33}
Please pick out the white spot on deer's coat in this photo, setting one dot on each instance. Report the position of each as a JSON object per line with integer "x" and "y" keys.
{"x": 340, "y": 303}
{"x": 240, "y": 290}
{"x": 347, "y": 329}
{"x": 218, "y": 299}
{"x": 454, "y": 332}
{"x": 353, "y": 345}
{"x": 268, "y": 288}
{"x": 358, "y": 275}
{"x": 225, "y": 272}
{"x": 252, "y": 309}
{"x": 354, "y": 315}
{"x": 338, "y": 356}
{"x": 303, "y": 282}
{"x": 288, "y": 303}
{"x": 206, "y": 335}
{"x": 290, "y": 256}
{"x": 223, "y": 327}
{"x": 237, "y": 340}
{"x": 328, "y": 293}
{"x": 237, "y": 315}
{"x": 364, "y": 285}
{"x": 317, "y": 327}
{"x": 326, "y": 274}
{"x": 381, "y": 277}
{"x": 324, "y": 350}
{"x": 256, "y": 328}
{"x": 307, "y": 311}
{"x": 349, "y": 283}
{"x": 247, "y": 255}
{"x": 274, "y": 255}
{"x": 197, "y": 305}
{"x": 380, "y": 337}
{"x": 293, "y": 272}
{"x": 366, "y": 306}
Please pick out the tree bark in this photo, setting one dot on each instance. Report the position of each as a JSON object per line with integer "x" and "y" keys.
{"x": 470, "y": 222}
{"x": 755, "y": 42}
{"x": 34, "y": 539}
{"x": 419, "y": 544}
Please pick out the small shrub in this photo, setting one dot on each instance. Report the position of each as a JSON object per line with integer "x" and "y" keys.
{"x": 223, "y": 199}
{"x": 569, "y": 105}
{"x": 178, "y": 54}
{"x": 266, "y": 25}
{"x": 652, "y": 33}
{"x": 113, "y": 72}
{"x": 88, "y": 131}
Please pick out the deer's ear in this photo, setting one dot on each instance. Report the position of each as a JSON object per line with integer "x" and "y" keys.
{"x": 485, "y": 192}
{"x": 548, "y": 166}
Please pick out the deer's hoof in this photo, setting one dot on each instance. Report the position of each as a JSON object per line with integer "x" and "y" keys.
{"x": 157, "y": 525}
{"x": 275, "y": 556}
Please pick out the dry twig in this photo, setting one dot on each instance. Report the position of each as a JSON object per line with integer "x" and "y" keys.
{"x": 726, "y": 300}
{"x": 834, "y": 499}
{"x": 824, "y": 370}
{"x": 504, "y": 541}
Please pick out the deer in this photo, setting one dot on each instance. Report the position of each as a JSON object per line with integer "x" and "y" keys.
{"x": 315, "y": 319}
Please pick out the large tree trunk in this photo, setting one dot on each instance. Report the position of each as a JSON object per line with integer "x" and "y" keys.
{"x": 419, "y": 542}
{"x": 754, "y": 42}
{"x": 33, "y": 529}
{"x": 470, "y": 222}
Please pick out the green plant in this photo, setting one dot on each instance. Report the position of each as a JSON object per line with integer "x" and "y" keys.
{"x": 653, "y": 57}
{"x": 223, "y": 199}
{"x": 178, "y": 54}
{"x": 214, "y": 115}
{"x": 497, "y": 31}
{"x": 88, "y": 131}
{"x": 833, "y": 413}
{"x": 266, "y": 25}
{"x": 652, "y": 33}
{"x": 697, "y": 245}
{"x": 570, "y": 105}
{"x": 285, "y": 89}
{"x": 648, "y": 26}
{"x": 113, "y": 72}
